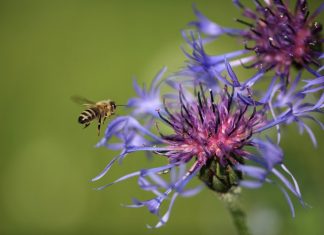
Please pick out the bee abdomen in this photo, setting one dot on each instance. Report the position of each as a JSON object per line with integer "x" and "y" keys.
{"x": 88, "y": 115}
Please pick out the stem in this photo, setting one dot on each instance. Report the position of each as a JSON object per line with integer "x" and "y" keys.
{"x": 237, "y": 213}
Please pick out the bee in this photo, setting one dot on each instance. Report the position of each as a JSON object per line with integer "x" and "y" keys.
{"x": 100, "y": 110}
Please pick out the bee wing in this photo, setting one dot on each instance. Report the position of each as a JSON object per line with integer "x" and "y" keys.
{"x": 81, "y": 100}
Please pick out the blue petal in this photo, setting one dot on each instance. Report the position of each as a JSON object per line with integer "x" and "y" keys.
{"x": 280, "y": 119}
{"x": 271, "y": 153}
{"x": 166, "y": 216}
{"x": 107, "y": 168}
{"x": 192, "y": 192}
{"x": 313, "y": 90}
{"x": 316, "y": 81}
{"x": 210, "y": 28}
{"x": 152, "y": 205}
{"x": 250, "y": 184}
{"x": 293, "y": 178}
{"x": 288, "y": 185}
{"x": 148, "y": 101}
{"x": 310, "y": 133}
{"x": 253, "y": 171}
{"x": 317, "y": 11}
{"x": 270, "y": 91}
{"x": 312, "y": 71}
{"x": 155, "y": 83}
{"x": 232, "y": 75}
{"x": 283, "y": 190}
{"x": 131, "y": 175}
{"x": 158, "y": 180}
{"x": 148, "y": 186}
{"x": 205, "y": 25}
{"x": 186, "y": 178}
{"x": 250, "y": 82}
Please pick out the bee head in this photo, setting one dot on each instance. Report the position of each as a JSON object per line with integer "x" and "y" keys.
{"x": 113, "y": 104}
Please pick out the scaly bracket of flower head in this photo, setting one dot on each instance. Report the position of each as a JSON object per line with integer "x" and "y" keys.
{"x": 213, "y": 134}
{"x": 279, "y": 37}
{"x": 219, "y": 178}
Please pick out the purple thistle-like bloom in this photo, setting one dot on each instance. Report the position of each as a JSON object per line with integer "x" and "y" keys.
{"x": 204, "y": 129}
{"x": 214, "y": 137}
{"x": 278, "y": 36}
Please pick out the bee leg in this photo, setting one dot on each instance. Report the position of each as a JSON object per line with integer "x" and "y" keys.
{"x": 99, "y": 124}
{"x": 103, "y": 122}
{"x": 86, "y": 125}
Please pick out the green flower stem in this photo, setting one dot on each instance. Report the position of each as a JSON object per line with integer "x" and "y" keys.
{"x": 238, "y": 215}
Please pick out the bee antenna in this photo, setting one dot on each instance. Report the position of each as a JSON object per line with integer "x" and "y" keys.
{"x": 121, "y": 104}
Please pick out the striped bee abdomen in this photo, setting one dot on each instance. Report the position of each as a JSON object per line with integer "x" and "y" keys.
{"x": 88, "y": 115}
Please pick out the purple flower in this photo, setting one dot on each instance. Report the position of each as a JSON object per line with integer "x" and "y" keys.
{"x": 212, "y": 139}
{"x": 278, "y": 36}
{"x": 148, "y": 101}
{"x": 203, "y": 129}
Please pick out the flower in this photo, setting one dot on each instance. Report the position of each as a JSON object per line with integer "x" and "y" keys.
{"x": 278, "y": 36}
{"x": 148, "y": 101}
{"x": 210, "y": 138}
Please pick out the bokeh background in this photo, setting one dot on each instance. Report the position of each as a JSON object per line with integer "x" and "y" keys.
{"x": 50, "y": 50}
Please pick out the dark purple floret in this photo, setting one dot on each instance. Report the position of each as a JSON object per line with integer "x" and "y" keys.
{"x": 278, "y": 36}
{"x": 205, "y": 130}
{"x": 282, "y": 37}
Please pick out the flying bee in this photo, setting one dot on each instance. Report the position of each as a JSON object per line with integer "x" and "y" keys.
{"x": 100, "y": 110}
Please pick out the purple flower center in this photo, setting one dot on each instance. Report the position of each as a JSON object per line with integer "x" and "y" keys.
{"x": 206, "y": 130}
{"x": 283, "y": 37}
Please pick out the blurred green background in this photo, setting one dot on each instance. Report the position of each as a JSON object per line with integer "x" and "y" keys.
{"x": 50, "y": 50}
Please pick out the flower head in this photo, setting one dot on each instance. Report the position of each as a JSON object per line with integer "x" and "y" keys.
{"x": 215, "y": 136}
{"x": 205, "y": 130}
{"x": 282, "y": 37}
{"x": 278, "y": 36}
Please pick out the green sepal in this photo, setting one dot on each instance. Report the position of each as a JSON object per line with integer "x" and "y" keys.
{"x": 219, "y": 178}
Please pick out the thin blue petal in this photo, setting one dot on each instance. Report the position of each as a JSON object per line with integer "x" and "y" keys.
{"x": 107, "y": 168}
{"x": 283, "y": 190}
{"x": 232, "y": 75}
{"x": 250, "y": 82}
{"x": 166, "y": 216}
{"x": 131, "y": 175}
{"x": 250, "y": 184}
{"x": 253, "y": 171}
{"x": 288, "y": 185}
